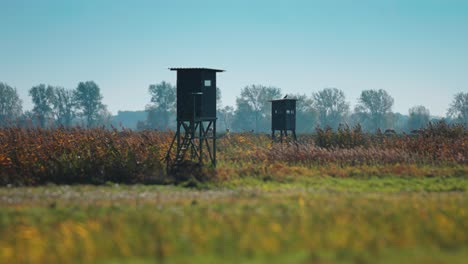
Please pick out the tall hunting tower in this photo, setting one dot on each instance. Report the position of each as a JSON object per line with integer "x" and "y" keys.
{"x": 283, "y": 117}
{"x": 196, "y": 116}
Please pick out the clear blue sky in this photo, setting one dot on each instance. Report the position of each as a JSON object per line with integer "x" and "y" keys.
{"x": 416, "y": 50}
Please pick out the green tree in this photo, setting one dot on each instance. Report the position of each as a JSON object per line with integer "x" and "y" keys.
{"x": 10, "y": 104}
{"x": 375, "y": 109}
{"x": 163, "y": 99}
{"x": 42, "y": 97}
{"x": 418, "y": 117}
{"x": 88, "y": 100}
{"x": 459, "y": 108}
{"x": 331, "y": 106}
{"x": 253, "y": 104}
{"x": 64, "y": 106}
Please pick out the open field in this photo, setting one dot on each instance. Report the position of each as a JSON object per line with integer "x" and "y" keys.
{"x": 320, "y": 220}
{"x": 97, "y": 156}
{"x": 344, "y": 197}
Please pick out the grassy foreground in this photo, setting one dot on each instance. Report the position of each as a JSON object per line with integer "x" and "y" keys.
{"x": 250, "y": 220}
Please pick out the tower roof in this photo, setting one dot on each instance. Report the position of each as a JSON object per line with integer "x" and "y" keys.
{"x": 195, "y": 69}
{"x": 284, "y": 99}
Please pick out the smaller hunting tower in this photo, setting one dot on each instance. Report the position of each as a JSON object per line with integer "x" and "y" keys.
{"x": 196, "y": 116}
{"x": 283, "y": 117}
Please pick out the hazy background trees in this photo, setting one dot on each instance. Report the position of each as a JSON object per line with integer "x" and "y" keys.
{"x": 254, "y": 109}
{"x": 419, "y": 117}
{"x": 374, "y": 109}
{"x": 225, "y": 118}
{"x": 399, "y": 122}
{"x": 55, "y": 105}
{"x": 244, "y": 117}
{"x": 88, "y": 100}
{"x": 219, "y": 104}
{"x": 331, "y": 106}
{"x": 42, "y": 98}
{"x": 458, "y": 110}
{"x": 306, "y": 114}
{"x": 162, "y": 106}
{"x": 104, "y": 117}
{"x": 10, "y": 104}
{"x": 64, "y": 106}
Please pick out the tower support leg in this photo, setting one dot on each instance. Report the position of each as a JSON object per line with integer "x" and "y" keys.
{"x": 195, "y": 135}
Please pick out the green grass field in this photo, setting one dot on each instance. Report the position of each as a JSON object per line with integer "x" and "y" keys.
{"x": 316, "y": 219}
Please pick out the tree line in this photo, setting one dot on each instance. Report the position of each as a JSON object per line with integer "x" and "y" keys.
{"x": 54, "y": 106}
{"x": 325, "y": 108}
{"x": 57, "y": 106}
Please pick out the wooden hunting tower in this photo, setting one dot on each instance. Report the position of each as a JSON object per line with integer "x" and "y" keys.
{"x": 283, "y": 117}
{"x": 196, "y": 116}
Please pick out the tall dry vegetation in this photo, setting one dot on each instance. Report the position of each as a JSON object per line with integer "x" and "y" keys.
{"x": 436, "y": 144}
{"x": 37, "y": 156}
{"x": 66, "y": 156}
